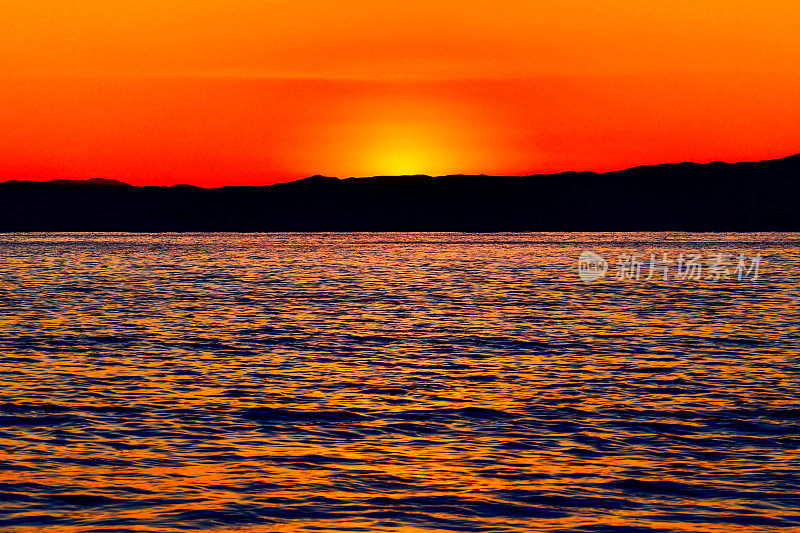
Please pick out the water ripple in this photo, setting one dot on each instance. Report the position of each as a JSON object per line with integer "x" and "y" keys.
{"x": 393, "y": 382}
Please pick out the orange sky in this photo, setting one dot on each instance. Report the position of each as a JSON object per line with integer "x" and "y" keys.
{"x": 216, "y": 92}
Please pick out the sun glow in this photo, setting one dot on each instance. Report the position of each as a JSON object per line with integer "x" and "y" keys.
{"x": 408, "y": 149}
{"x": 415, "y": 134}
{"x": 403, "y": 160}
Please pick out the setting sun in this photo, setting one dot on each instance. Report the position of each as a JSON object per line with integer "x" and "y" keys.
{"x": 399, "y": 160}
{"x": 397, "y": 148}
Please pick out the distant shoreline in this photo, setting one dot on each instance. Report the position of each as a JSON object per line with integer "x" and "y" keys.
{"x": 713, "y": 197}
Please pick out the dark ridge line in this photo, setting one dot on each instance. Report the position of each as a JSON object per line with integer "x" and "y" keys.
{"x": 717, "y": 196}
{"x": 318, "y": 178}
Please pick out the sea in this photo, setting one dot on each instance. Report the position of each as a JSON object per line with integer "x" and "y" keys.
{"x": 399, "y": 382}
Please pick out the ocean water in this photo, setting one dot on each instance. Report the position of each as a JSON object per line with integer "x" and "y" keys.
{"x": 395, "y": 382}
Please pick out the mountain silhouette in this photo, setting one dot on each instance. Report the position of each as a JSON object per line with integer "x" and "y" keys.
{"x": 95, "y": 182}
{"x": 757, "y": 196}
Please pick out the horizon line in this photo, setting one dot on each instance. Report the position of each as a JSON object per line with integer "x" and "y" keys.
{"x": 109, "y": 181}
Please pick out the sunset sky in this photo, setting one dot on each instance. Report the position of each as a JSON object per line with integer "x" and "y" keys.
{"x": 215, "y": 92}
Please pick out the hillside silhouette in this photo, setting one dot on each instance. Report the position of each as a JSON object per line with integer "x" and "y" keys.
{"x": 758, "y": 196}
